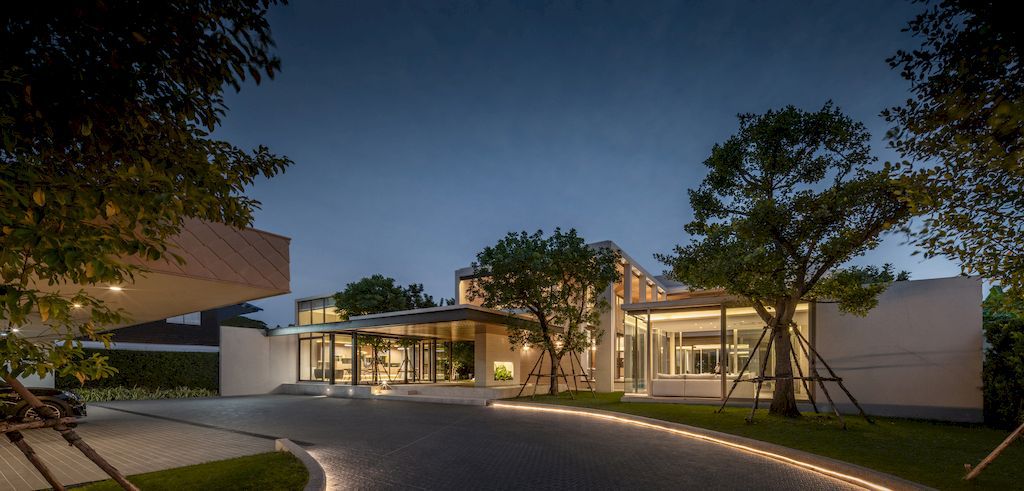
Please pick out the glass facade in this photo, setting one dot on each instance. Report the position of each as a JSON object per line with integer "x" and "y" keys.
{"x": 369, "y": 359}
{"x": 697, "y": 353}
{"x": 314, "y": 356}
{"x": 316, "y": 311}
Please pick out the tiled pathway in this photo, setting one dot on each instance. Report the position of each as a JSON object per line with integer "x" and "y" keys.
{"x": 132, "y": 443}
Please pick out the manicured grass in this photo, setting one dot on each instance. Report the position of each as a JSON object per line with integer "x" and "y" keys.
{"x": 922, "y": 451}
{"x": 267, "y": 471}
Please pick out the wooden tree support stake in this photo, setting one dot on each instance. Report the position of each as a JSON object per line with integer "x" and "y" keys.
{"x": 995, "y": 453}
{"x": 19, "y": 441}
{"x": 806, "y": 379}
{"x": 69, "y": 434}
{"x": 739, "y": 375}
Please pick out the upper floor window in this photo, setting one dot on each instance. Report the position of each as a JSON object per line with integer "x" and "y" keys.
{"x": 192, "y": 319}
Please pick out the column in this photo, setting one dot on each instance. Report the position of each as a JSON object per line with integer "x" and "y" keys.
{"x": 643, "y": 288}
{"x": 605, "y": 375}
{"x": 627, "y": 283}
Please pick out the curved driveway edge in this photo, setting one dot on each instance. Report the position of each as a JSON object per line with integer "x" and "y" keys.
{"x": 317, "y": 479}
{"x": 844, "y": 471}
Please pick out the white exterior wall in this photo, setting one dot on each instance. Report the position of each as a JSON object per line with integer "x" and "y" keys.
{"x": 252, "y": 363}
{"x": 490, "y": 348}
{"x": 917, "y": 354}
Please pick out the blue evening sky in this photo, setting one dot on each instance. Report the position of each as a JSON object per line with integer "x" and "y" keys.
{"x": 424, "y": 131}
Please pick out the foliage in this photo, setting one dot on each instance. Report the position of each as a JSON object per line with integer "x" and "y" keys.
{"x": 558, "y": 280}
{"x": 243, "y": 321}
{"x": 929, "y": 452}
{"x": 463, "y": 359}
{"x": 963, "y": 134}
{"x": 152, "y": 370}
{"x": 502, "y": 373}
{"x": 106, "y": 115}
{"x": 787, "y": 201}
{"x": 271, "y": 471}
{"x": 1003, "y": 373}
{"x": 101, "y": 394}
{"x": 378, "y": 294}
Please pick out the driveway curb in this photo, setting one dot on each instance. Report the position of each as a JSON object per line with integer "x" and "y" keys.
{"x": 317, "y": 479}
{"x": 837, "y": 469}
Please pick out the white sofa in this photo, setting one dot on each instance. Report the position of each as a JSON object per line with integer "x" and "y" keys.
{"x": 696, "y": 385}
{"x": 667, "y": 385}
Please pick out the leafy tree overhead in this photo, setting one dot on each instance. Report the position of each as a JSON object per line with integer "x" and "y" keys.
{"x": 1004, "y": 359}
{"x": 962, "y": 133}
{"x": 105, "y": 118}
{"x": 558, "y": 280}
{"x": 106, "y": 115}
{"x": 378, "y": 294}
{"x": 787, "y": 201}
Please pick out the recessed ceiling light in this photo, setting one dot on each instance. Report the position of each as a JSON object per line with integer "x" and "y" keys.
{"x": 115, "y": 288}
{"x": 76, "y": 305}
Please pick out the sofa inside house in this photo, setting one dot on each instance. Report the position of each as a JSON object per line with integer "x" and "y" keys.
{"x": 696, "y": 385}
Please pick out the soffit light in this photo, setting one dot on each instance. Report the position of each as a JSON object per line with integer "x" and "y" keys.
{"x": 115, "y": 288}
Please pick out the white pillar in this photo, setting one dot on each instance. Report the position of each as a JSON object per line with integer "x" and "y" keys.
{"x": 627, "y": 283}
{"x": 643, "y": 288}
{"x": 605, "y": 375}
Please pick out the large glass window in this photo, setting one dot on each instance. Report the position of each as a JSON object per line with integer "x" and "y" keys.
{"x": 635, "y": 341}
{"x": 687, "y": 358}
{"x": 314, "y": 357}
{"x": 620, "y": 341}
{"x": 317, "y": 311}
{"x": 743, "y": 329}
{"x": 342, "y": 359}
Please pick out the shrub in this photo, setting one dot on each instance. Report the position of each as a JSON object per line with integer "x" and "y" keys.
{"x": 140, "y": 393}
{"x": 154, "y": 370}
{"x": 1003, "y": 374}
{"x": 502, "y": 373}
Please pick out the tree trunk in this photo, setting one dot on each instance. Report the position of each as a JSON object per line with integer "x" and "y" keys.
{"x": 554, "y": 373}
{"x": 784, "y": 396}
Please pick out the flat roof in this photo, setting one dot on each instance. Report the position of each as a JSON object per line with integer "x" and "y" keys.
{"x": 446, "y": 315}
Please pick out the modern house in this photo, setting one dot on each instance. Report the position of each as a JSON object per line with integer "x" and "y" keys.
{"x": 179, "y": 306}
{"x": 918, "y": 354}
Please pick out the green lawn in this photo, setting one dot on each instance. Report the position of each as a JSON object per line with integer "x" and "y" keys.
{"x": 926, "y": 452}
{"x": 267, "y": 471}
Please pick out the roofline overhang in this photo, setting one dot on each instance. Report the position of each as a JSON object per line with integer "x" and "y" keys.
{"x": 448, "y": 313}
{"x": 685, "y": 303}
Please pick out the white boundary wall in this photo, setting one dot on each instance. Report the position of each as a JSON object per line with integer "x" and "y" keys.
{"x": 252, "y": 363}
{"x": 918, "y": 354}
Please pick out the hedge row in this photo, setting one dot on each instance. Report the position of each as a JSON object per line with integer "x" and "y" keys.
{"x": 154, "y": 370}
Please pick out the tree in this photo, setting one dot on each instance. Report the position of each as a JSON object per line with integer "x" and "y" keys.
{"x": 558, "y": 280}
{"x": 1003, "y": 373}
{"x": 787, "y": 201}
{"x": 106, "y": 112}
{"x": 378, "y": 294}
{"x": 962, "y": 133}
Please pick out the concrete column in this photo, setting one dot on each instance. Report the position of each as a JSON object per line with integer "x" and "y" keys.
{"x": 605, "y": 374}
{"x": 489, "y": 348}
{"x": 643, "y": 288}
{"x": 627, "y": 283}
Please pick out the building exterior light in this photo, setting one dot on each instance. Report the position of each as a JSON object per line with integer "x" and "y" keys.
{"x": 114, "y": 288}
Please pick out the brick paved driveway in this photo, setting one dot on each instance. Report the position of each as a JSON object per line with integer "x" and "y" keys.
{"x": 132, "y": 443}
{"x": 366, "y": 444}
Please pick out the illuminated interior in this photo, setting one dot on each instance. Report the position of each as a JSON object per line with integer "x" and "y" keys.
{"x": 693, "y": 353}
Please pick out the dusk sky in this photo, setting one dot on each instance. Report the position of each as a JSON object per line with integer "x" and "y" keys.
{"x": 422, "y": 132}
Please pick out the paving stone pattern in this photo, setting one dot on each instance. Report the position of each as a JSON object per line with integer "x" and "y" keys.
{"x": 132, "y": 443}
{"x": 373, "y": 444}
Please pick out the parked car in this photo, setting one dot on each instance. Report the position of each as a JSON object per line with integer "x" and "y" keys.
{"x": 12, "y": 407}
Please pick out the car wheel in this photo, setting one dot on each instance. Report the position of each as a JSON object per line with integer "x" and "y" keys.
{"x": 29, "y": 413}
